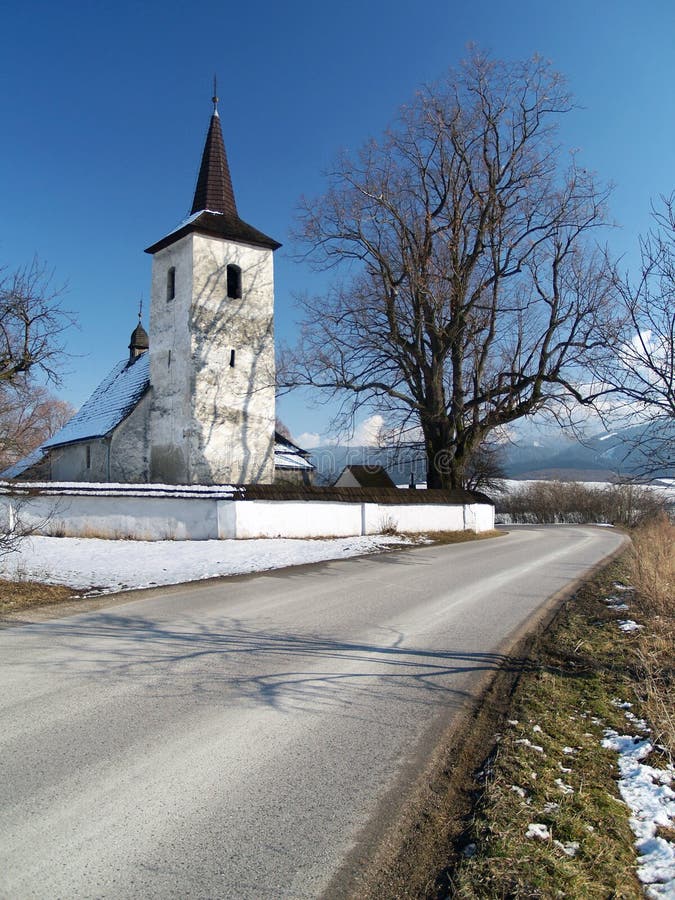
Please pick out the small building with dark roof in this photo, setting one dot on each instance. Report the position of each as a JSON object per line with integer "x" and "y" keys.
{"x": 291, "y": 463}
{"x": 364, "y": 477}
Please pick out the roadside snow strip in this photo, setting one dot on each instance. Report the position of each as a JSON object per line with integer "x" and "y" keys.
{"x": 103, "y": 566}
{"x": 647, "y": 792}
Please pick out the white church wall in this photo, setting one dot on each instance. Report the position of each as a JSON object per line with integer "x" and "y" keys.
{"x": 155, "y": 518}
{"x": 122, "y": 456}
{"x": 412, "y": 519}
{"x": 129, "y": 450}
{"x": 212, "y": 365}
{"x": 85, "y": 461}
{"x": 170, "y": 363}
{"x": 295, "y": 519}
{"x": 233, "y": 362}
{"x": 480, "y": 517}
{"x": 138, "y": 518}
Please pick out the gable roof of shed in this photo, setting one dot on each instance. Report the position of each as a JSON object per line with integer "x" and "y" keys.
{"x": 112, "y": 401}
{"x": 369, "y": 476}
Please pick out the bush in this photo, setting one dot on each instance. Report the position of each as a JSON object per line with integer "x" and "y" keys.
{"x": 570, "y": 502}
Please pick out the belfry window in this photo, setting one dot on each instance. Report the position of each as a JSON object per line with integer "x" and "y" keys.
{"x": 233, "y": 282}
{"x": 171, "y": 284}
{"x": 232, "y": 359}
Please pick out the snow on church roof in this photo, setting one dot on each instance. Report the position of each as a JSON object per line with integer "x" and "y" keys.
{"x": 288, "y": 455}
{"x": 111, "y": 402}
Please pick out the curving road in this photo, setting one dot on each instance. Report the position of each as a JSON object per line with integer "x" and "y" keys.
{"x": 233, "y": 739}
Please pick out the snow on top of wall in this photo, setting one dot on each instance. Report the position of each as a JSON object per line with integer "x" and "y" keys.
{"x": 118, "y": 489}
{"x": 111, "y": 402}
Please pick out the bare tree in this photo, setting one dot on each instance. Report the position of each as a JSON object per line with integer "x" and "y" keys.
{"x": 640, "y": 365}
{"x": 470, "y": 294}
{"x": 484, "y": 470}
{"x": 32, "y": 323}
{"x": 29, "y": 414}
{"x": 282, "y": 429}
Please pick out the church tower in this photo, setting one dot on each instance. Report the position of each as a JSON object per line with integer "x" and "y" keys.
{"x": 211, "y": 351}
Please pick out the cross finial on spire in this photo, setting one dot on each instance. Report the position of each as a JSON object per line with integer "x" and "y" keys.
{"x": 215, "y": 96}
{"x": 140, "y": 309}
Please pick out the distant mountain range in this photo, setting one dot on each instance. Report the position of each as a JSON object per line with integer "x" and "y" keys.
{"x": 542, "y": 455}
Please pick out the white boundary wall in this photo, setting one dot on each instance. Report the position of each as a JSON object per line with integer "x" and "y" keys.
{"x": 196, "y": 518}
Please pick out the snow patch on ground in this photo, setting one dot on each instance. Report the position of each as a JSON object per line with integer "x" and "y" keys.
{"x": 570, "y": 848}
{"x": 648, "y": 793}
{"x": 538, "y": 830}
{"x": 629, "y": 625}
{"x": 92, "y": 564}
{"x": 565, "y": 788}
{"x": 615, "y": 603}
{"x": 527, "y": 743}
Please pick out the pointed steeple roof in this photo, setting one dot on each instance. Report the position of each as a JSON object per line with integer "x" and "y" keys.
{"x": 214, "y": 184}
{"x": 214, "y": 210}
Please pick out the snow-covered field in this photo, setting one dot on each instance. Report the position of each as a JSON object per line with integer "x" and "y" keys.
{"x": 95, "y": 565}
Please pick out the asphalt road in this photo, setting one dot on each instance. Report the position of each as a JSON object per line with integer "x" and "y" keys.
{"x": 234, "y": 739}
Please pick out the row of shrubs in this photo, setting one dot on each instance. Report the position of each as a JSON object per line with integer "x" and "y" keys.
{"x": 572, "y": 502}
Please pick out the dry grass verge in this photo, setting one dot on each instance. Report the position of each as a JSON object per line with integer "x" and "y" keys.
{"x": 16, "y": 596}
{"x": 549, "y": 822}
{"x": 653, "y": 577}
{"x": 459, "y": 537}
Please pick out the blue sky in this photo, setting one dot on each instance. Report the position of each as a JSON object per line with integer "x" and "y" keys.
{"x": 104, "y": 108}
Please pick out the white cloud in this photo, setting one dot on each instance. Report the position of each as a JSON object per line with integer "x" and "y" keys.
{"x": 308, "y": 440}
{"x": 366, "y": 433}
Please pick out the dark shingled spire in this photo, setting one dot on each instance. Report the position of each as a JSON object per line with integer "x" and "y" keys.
{"x": 214, "y": 211}
{"x": 214, "y": 185}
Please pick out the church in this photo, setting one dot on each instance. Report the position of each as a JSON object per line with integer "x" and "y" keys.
{"x": 194, "y": 401}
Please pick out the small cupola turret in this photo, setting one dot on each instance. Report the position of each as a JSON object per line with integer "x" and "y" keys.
{"x": 140, "y": 342}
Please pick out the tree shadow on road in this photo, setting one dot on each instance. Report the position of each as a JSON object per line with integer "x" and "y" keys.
{"x": 227, "y": 662}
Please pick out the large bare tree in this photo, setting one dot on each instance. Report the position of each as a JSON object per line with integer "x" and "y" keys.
{"x": 470, "y": 293}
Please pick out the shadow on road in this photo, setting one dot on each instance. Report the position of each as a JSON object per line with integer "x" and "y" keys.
{"x": 225, "y": 661}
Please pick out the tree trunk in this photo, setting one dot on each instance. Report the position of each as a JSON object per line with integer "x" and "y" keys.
{"x": 445, "y": 467}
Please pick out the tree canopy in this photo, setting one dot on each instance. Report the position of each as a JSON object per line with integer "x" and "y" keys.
{"x": 469, "y": 293}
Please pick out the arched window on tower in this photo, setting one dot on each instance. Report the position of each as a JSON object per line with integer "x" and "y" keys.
{"x": 234, "y": 282}
{"x": 171, "y": 284}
